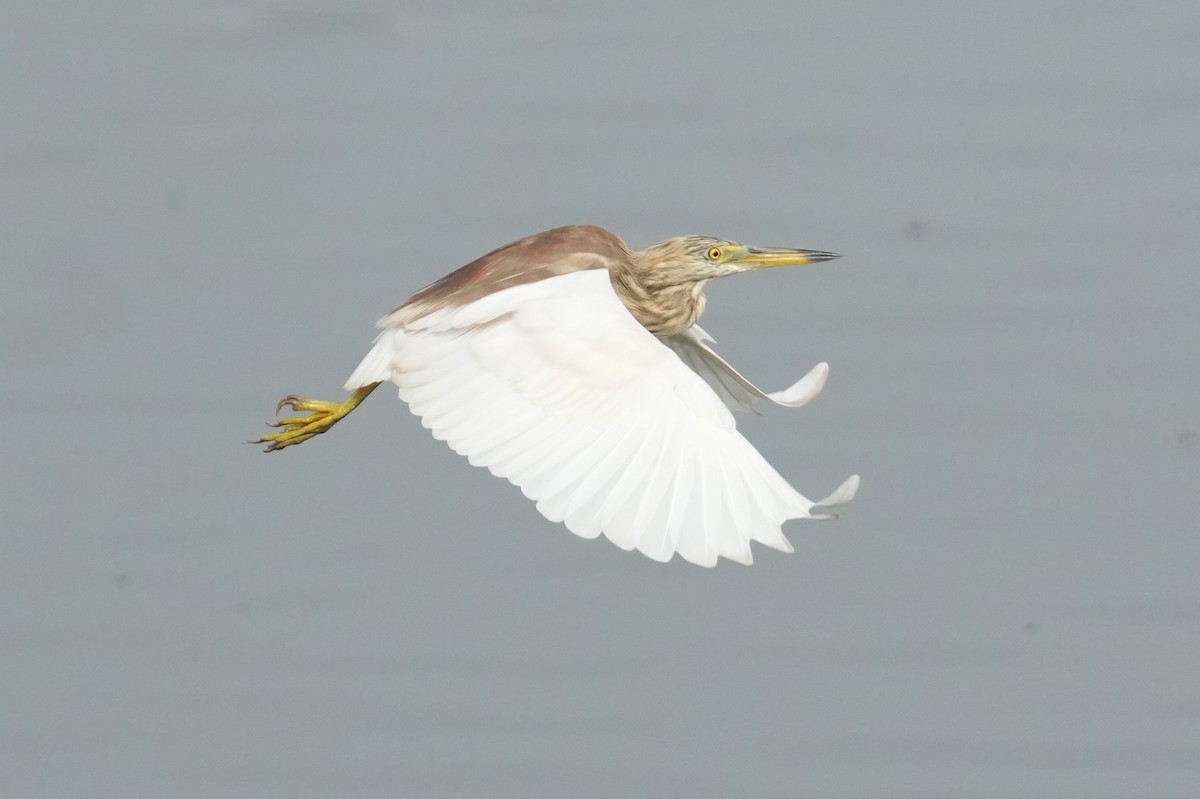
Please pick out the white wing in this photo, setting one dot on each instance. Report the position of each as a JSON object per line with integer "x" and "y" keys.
{"x": 735, "y": 391}
{"x": 554, "y": 386}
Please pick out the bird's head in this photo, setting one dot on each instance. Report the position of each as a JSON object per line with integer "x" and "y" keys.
{"x": 693, "y": 259}
{"x": 663, "y": 285}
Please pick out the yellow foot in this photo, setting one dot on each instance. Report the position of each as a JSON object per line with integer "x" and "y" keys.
{"x": 322, "y": 415}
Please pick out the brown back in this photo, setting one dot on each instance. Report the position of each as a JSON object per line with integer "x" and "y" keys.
{"x": 559, "y": 251}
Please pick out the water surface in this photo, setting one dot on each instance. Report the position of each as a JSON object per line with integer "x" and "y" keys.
{"x": 205, "y": 206}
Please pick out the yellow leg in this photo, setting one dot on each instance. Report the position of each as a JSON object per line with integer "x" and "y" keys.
{"x": 322, "y": 416}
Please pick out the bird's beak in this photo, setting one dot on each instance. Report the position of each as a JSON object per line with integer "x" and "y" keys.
{"x": 763, "y": 257}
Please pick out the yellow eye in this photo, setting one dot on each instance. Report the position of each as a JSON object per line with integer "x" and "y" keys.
{"x": 714, "y": 253}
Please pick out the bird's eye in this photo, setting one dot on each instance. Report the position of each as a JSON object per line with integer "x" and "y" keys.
{"x": 714, "y": 253}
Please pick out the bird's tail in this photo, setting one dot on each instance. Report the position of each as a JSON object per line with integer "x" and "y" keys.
{"x": 380, "y": 363}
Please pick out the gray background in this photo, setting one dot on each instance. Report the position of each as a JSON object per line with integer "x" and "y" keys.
{"x": 206, "y": 205}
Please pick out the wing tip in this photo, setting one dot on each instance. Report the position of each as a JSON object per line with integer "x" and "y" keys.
{"x": 843, "y": 494}
{"x": 804, "y": 390}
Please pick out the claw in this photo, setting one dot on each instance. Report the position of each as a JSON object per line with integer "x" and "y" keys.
{"x": 322, "y": 416}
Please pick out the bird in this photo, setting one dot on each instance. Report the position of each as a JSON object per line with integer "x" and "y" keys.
{"x": 573, "y": 366}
